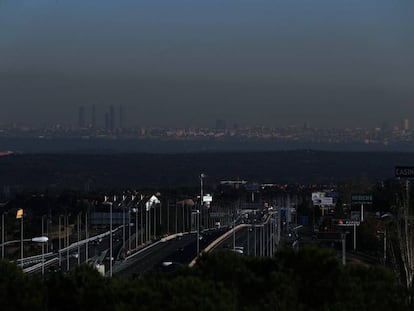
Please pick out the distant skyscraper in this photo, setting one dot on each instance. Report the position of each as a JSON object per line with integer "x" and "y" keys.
{"x": 111, "y": 118}
{"x": 220, "y": 125}
{"x": 106, "y": 121}
{"x": 406, "y": 124}
{"x": 93, "y": 117}
{"x": 121, "y": 117}
{"x": 81, "y": 117}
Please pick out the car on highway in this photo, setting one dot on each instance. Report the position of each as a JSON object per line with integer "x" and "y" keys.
{"x": 235, "y": 250}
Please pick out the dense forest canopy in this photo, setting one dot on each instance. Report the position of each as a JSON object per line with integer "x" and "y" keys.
{"x": 309, "y": 279}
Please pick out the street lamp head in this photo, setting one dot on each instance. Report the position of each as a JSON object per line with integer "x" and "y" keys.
{"x": 40, "y": 239}
{"x": 387, "y": 215}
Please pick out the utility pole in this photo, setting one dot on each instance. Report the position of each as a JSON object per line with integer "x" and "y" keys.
{"x": 78, "y": 227}
{"x": 344, "y": 249}
{"x": 86, "y": 236}
{"x": 2, "y": 236}
{"x": 67, "y": 241}
{"x": 21, "y": 241}
{"x": 43, "y": 258}
{"x": 110, "y": 239}
{"x": 168, "y": 217}
{"x": 59, "y": 243}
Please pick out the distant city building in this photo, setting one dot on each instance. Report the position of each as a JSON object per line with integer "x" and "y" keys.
{"x": 111, "y": 118}
{"x": 106, "y": 121}
{"x": 220, "y": 125}
{"x": 81, "y": 117}
{"x": 406, "y": 125}
{"x": 93, "y": 117}
{"x": 121, "y": 117}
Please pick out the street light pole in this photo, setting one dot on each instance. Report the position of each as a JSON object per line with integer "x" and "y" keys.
{"x": 155, "y": 220}
{"x": 86, "y": 236}
{"x": 234, "y": 233}
{"x": 110, "y": 239}
{"x": 123, "y": 221}
{"x": 196, "y": 213}
{"x": 21, "y": 241}
{"x": 198, "y": 234}
{"x": 2, "y": 236}
{"x": 255, "y": 241}
{"x": 41, "y": 239}
{"x": 59, "y": 242}
{"x": 182, "y": 205}
{"x": 43, "y": 250}
{"x": 142, "y": 223}
{"x": 355, "y": 239}
{"x": 168, "y": 217}
{"x": 201, "y": 191}
{"x": 385, "y": 246}
{"x": 344, "y": 249}
{"x": 67, "y": 242}
{"x": 136, "y": 227}
{"x": 129, "y": 228}
{"x": 248, "y": 241}
{"x": 78, "y": 229}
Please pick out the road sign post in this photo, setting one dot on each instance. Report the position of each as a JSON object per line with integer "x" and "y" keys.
{"x": 361, "y": 199}
{"x": 404, "y": 171}
{"x": 354, "y": 224}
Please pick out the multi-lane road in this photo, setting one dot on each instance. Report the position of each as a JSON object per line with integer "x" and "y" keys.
{"x": 168, "y": 254}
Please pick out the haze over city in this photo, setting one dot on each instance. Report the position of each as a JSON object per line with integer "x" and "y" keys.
{"x": 188, "y": 63}
{"x": 209, "y": 155}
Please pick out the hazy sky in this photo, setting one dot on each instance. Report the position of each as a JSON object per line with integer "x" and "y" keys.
{"x": 190, "y": 62}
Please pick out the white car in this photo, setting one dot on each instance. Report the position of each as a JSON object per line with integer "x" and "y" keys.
{"x": 239, "y": 251}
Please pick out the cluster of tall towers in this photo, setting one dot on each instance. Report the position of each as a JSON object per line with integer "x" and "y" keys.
{"x": 111, "y": 120}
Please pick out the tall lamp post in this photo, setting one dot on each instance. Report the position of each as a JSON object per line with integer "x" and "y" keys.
{"x": 110, "y": 239}
{"x": 59, "y": 242}
{"x": 123, "y": 221}
{"x": 2, "y": 234}
{"x": 197, "y": 213}
{"x": 19, "y": 215}
{"x": 201, "y": 192}
{"x": 110, "y": 232}
{"x": 386, "y": 218}
{"x": 42, "y": 240}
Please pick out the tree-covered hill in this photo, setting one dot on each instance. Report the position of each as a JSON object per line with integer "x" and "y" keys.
{"x": 310, "y": 279}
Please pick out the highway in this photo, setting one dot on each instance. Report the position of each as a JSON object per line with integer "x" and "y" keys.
{"x": 98, "y": 251}
{"x": 255, "y": 239}
{"x": 178, "y": 251}
{"x": 163, "y": 255}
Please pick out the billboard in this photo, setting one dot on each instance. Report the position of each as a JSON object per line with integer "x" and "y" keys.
{"x": 404, "y": 171}
{"x": 361, "y": 198}
{"x": 207, "y": 198}
{"x": 327, "y": 201}
{"x": 316, "y": 197}
{"x": 320, "y": 198}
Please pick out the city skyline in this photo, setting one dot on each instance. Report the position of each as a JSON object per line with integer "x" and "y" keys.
{"x": 113, "y": 117}
{"x": 189, "y": 63}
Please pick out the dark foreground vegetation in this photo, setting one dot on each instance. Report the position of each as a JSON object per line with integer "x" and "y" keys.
{"x": 310, "y": 279}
